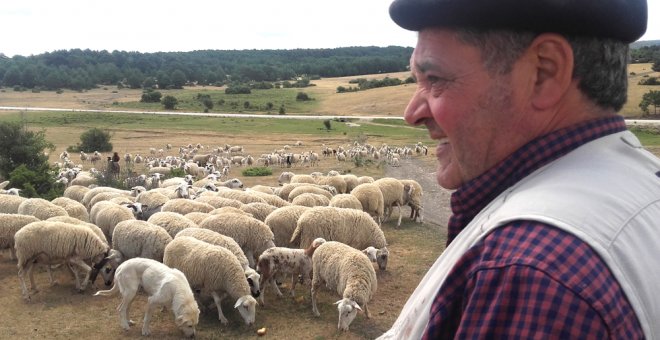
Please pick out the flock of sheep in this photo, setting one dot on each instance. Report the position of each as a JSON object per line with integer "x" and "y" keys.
{"x": 228, "y": 241}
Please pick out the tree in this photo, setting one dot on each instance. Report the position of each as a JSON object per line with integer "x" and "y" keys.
{"x": 327, "y": 124}
{"x": 151, "y": 96}
{"x": 95, "y": 139}
{"x": 169, "y": 102}
{"x": 650, "y": 98}
{"x": 178, "y": 79}
{"x": 302, "y": 96}
{"x": 208, "y": 103}
{"x": 12, "y": 77}
{"x": 282, "y": 110}
{"x": 19, "y": 146}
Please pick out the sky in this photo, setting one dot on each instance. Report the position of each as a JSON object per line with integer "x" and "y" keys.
{"x": 38, "y": 26}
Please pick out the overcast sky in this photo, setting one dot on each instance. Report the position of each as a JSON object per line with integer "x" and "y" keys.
{"x": 38, "y": 26}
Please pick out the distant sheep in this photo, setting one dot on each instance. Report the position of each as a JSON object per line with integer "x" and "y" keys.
{"x": 348, "y": 271}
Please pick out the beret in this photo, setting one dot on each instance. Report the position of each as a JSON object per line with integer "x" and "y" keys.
{"x": 623, "y": 20}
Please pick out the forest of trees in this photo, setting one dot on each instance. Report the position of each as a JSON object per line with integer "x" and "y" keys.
{"x": 85, "y": 69}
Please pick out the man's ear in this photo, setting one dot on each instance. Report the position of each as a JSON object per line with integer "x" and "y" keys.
{"x": 553, "y": 61}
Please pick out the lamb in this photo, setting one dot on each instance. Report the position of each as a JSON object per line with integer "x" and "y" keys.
{"x": 394, "y": 193}
{"x": 40, "y": 208}
{"x": 76, "y": 192}
{"x": 350, "y": 272}
{"x": 9, "y": 225}
{"x": 349, "y": 226}
{"x": 345, "y": 201}
{"x": 184, "y": 206}
{"x": 371, "y": 199}
{"x": 9, "y": 203}
{"x": 415, "y": 199}
{"x": 52, "y": 242}
{"x": 210, "y": 236}
{"x": 164, "y": 285}
{"x": 258, "y": 210}
{"x": 310, "y": 200}
{"x": 286, "y": 261}
{"x": 379, "y": 256}
{"x": 282, "y": 222}
{"x": 73, "y": 208}
{"x": 252, "y": 235}
{"x": 172, "y": 222}
{"x": 213, "y": 270}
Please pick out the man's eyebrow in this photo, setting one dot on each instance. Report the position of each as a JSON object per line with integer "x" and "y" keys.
{"x": 424, "y": 66}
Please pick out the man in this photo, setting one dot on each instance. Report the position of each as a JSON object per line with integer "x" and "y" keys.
{"x": 556, "y": 215}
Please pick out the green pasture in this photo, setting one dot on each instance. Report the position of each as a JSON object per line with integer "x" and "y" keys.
{"x": 258, "y": 101}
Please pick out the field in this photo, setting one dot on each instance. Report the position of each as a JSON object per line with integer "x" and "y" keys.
{"x": 60, "y": 313}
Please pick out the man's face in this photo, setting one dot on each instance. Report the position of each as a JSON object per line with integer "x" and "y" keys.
{"x": 469, "y": 111}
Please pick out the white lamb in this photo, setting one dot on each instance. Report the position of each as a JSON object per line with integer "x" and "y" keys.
{"x": 252, "y": 235}
{"x": 164, "y": 285}
{"x": 350, "y": 273}
{"x": 286, "y": 262}
{"x": 210, "y": 236}
{"x": 213, "y": 270}
{"x": 50, "y": 242}
{"x": 9, "y": 225}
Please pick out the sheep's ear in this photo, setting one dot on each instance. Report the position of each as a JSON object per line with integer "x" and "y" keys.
{"x": 239, "y": 302}
{"x": 338, "y": 302}
{"x": 357, "y": 306}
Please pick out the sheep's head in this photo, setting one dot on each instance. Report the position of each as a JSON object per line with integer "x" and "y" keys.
{"x": 382, "y": 255}
{"x": 137, "y": 209}
{"x": 234, "y": 183}
{"x": 253, "y": 279}
{"x": 348, "y": 310}
{"x": 246, "y": 306}
{"x": 136, "y": 190}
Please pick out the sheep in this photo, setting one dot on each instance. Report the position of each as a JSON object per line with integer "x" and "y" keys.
{"x": 350, "y": 272}
{"x": 378, "y": 256}
{"x": 303, "y": 179}
{"x": 258, "y": 210}
{"x": 262, "y": 188}
{"x": 345, "y": 201}
{"x": 251, "y": 234}
{"x": 271, "y": 199}
{"x": 394, "y": 193}
{"x": 172, "y": 222}
{"x": 310, "y": 200}
{"x": 285, "y": 178}
{"x": 233, "y": 183}
{"x": 73, "y": 220}
{"x": 219, "y": 202}
{"x": 337, "y": 182}
{"x": 349, "y": 226}
{"x": 286, "y": 261}
{"x": 210, "y": 236}
{"x": 415, "y": 199}
{"x": 308, "y": 189}
{"x": 40, "y": 208}
{"x": 229, "y": 210}
{"x": 197, "y": 217}
{"x": 106, "y": 196}
{"x": 9, "y": 203}
{"x": 365, "y": 179}
{"x": 371, "y": 199}
{"x": 107, "y": 215}
{"x": 241, "y": 196}
{"x": 9, "y": 225}
{"x": 84, "y": 180}
{"x": 351, "y": 182}
{"x": 152, "y": 198}
{"x": 139, "y": 239}
{"x": 73, "y": 208}
{"x": 282, "y": 222}
{"x": 213, "y": 270}
{"x": 184, "y": 206}
{"x": 50, "y": 242}
{"x": 89, "y": 195}
{"x": 75, "y": 192}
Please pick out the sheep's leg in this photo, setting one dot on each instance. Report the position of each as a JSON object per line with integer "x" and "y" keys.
{"x": 275, "y": 287}
{"x": 398, "y": 224}
{"x": 315, "y": 286}
{"x": 293, "y": 285}
{"x": 217, "y": 300}
{"x": 21, "y": 277}
{"x": 33, "y": 285}
{"x": 366, "y": 311}
{"x": 12, "y": 253}
{"x": 80, "y": 263}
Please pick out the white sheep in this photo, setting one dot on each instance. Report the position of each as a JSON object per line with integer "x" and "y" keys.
{"x": 9, "y": 225}
{"x": 197, "y": 217}
{"x": 365, "y": 179}
{"x": 285, "y": 177}
{"x": 303, "y": 179}
{"x": 415, "y": 199}
{"x": 282, "y": 222}
{"x": 349, "y": 272}
{"x": 172, "y": 222}
{"x": 241, "y": 196}
{"x": 219, "y": 202}
{"x": 252, "y": 235}
{"x": 9, "y": 203}
{"x": 258, "y": 210}
{"x": 262, "y": 188}
{"x": 210, "y": 236}
{"x": 213, "y": 270}
{"x": 286, "y": 262}
{"x": 345, "y": 201}
{"x": 271, "y": 199}
{"x": 337, "y": 182}
{"x": 73, "y": 220}
{"x": 308, "y": 189}
{"x": 106, "y": 215}
{"x": 40, "y": 208}
{"x": 371, "y": 199}
{"x": 152, "y": 198}
{"x": 310, "y": 200}
{"x": 83, "y": 179}
{"x": 76, "y": 192}
{"x": 395, "y": 193}
{"x": 50, "y": 242}
{"x": 349, "y": 226}
{"x": 351, "y": 182}
{"x": 73, "y": 208}
{"x": 134, "y": 238}
{"x": 184, "y": 206}
{"x": 378, "y": 256}
{"x": 89, "y": 195}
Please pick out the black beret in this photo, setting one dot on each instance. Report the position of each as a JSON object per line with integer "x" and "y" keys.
{"x": 623, "y": 20}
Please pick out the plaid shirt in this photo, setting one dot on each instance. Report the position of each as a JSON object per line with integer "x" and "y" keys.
{"x": 529, "y": 279}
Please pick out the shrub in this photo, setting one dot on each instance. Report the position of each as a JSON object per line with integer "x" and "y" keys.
{"x": 257, "y": 171}
{"x": 95, "y": 139}
{"x": 302, "y": 96}
{"x": 151, "y": 96}
{"x": 169, "y": 102}
{"x": 238, "y": 89}
{"x": 36, "y": 183}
